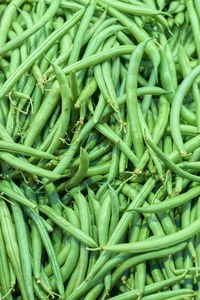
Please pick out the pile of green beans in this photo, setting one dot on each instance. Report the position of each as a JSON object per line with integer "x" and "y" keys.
{"x": 100, "y": 149}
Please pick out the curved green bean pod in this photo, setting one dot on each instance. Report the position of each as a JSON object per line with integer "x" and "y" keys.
{"x": 171, "y": 202}
{"x": 136, "y": 10}
{"x": 179, "y": 294}
{"x": 156, "y": 243}
{"x": 65, "y": 225}
{"x": 96, "y": 59}
{"x": 27, "y": 167}
{"x": 190, "y": 165}
{"x": 149, "y": 289}
{"x": 12, "y": 147}
{"x": 81, "y": 173}
{"x": 86, "y": 93}
{"x": 176, "y": 108}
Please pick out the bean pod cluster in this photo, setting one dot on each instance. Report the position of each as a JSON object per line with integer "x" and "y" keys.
{"x": 100, "y": 149}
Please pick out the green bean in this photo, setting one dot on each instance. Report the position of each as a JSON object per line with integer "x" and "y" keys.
{"x": 156, "y": 271}
{"x": 36, "y": 251}
{"x": 23, "y": 48}
{"x": 8, "y": 191}
{"x": 45, "y": 144}
{"x": 190, "y": 254}
{"x": 193, "y": 17}
{"x": 123, "y": 160}
{"x": 114, "y": 208}
{"x": 149, "y": 289}
{"x": 85, "y": 227}
{"x": 97, "y": 39}
{"x": 146, "y": 193}
{"x": 94, "y": 203}
{"x": 61, "y": 257}
{"x": 163, "y": 115}
{"x": 165, "y": 74}
{"x": 6, "y": 19}
{"x": 132, "y": 104}
{"x": 81, "y": 173}
{"x": 89, "y": 11}
{"x": 74, "y": 90}
{"x": 107, "y": 76}
{"x": 95, "y": 292}
{"x": 97, "y": 152}
{"x": 134, "y": 9}
{"x": 114, "y": 165}
{"x": 65, "y": 114}
{"x": 158, "y": 166}
{"x": 190, "y": 165}
{"x": 12, "y": 275}
{"x": 196, "y": 4}
{"x": 175, "y": 109}
{"x": 141, "y": 268}
{"x": 38, "y": 291}
{"x": 15, "y": 57}
{"x": 87, "y": 92}
{"x": 157, "y": 242}
{"x": 10, "y": 146}
{"x": 186, "y": 69}
{"x": 12, "y": 248}
{"x": 23, "y": 249}
{"x": 104, "y": 220}
{"x": 147, "y": 99}
{"x": 172, "y": 202}
{"x": 4, "y": 269}
{"x": 45, "y": 283}
{"x": 171, "y": 165}
{"x": 47, "y": 107}
{"x": 27, "y": 167}
{"x": 60, "y": 221}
